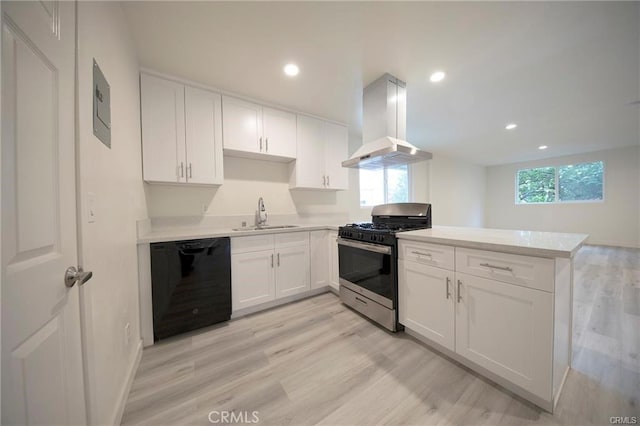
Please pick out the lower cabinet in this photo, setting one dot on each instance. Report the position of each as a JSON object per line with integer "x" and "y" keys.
{"x": 292, "y": 270}
{"x": 426, "y": 301}
{"x": 334, "y": 264}
{"x": 267, "y": 267}
{"x": 252, "y": 281}
{"x": 319, "y": 256}
{"x": 505, "y": 328}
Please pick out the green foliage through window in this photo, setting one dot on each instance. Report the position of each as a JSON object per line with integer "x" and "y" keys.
{"x": 575, "y": 182}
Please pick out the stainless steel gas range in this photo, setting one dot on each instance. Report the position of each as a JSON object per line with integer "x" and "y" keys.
{"x": 368, "y": 260}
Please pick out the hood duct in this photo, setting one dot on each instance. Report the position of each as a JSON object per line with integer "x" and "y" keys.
{"x": 384, "y": 127}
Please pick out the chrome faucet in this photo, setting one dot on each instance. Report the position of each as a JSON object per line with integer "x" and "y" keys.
{"x": 261, "y": 216}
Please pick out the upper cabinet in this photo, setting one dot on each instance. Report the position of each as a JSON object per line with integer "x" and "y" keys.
{"x": 322, "y": 146}
{"x": 181, "y": 133}
{"x": 254, "y": 131}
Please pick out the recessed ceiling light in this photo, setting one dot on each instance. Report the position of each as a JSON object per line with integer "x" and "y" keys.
{"x": 291, "y": 70}
{"x": 511, "y": 126}
{"x": 543, "y": 147}
{"x": 437, "y": 76}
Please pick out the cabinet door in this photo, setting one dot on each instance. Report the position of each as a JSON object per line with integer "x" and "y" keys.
{"x": 203, "y": 118}
{"x": 309, "y": 167}
{"x": 279, "y": 132}
{"x": 334, "y": 274}
{"x": 506, "y": 329}
{"x": 163, "y": 134}
{"x": 292, "y": 270}
{"x": 426, "y": 302}
{"x": 252, "y": 278}
{"x": 319, "y": 258}
{"x": 242, "y": 125}
{"x": 336, "y": 151}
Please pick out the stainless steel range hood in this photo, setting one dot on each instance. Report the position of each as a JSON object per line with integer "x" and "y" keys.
{"x": 384, "y": 127}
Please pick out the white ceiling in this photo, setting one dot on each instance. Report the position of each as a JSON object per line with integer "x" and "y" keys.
{"x": 565, "y": 72}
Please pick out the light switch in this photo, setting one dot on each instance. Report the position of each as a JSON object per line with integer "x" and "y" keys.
{"x": 91, "y": 207}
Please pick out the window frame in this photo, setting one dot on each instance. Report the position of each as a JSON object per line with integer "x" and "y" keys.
{"x": 557, "y": 186}
{"x": 410, "y": 188}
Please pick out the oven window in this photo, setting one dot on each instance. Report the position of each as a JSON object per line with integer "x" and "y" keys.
{"x": 370, "y": 270}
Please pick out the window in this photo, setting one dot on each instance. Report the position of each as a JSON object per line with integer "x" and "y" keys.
{"x": 574, "y": 182}
{"x": 380, "y": 186}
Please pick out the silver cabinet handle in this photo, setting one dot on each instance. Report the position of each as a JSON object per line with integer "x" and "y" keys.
{"x": 459, "y": 295}
{"x": 328, "y": 183}
{"x": 190, "y": 170}
{"x": 266, "y": 142}
{"x": 260, "y": 143}
{"x": 502, "y": 268}
{"x": 324, "y": 180}
{"x": 419, "y": 253}
{"x": 272, "y": 260}
{"x": 360, "y": 300}
{"x": 448, "y": 292}
{"x": 181, "y": 169}
{"x": 278, "y": 259}
{"x": 73, "y": 275}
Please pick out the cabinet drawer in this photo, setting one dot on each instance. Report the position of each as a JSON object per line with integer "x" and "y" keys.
{"x": 427, "y": 254}
{"x": 252, "y": 243}
{"x": 292, "y": 239}
{"x": 532, "y": 272}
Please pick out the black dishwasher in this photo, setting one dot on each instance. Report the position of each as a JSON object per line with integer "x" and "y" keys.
{"x": 191, "y": 285}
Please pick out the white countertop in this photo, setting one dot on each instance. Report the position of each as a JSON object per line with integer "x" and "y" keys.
{"x": 181, "y": 233}
{"x": 531, "y": 243}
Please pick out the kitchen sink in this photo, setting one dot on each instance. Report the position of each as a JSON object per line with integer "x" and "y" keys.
{"x": 264, "y": 227}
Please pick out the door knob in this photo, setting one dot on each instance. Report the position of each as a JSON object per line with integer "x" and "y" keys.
{"x": 73, "y": 275}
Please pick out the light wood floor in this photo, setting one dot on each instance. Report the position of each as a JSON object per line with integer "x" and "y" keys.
{"x": 317, "y": 362}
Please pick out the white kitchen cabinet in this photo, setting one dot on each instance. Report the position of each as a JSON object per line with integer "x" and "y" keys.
{"x": 426, "y": 301}
{"x": 319, "y": 258}
{"x": 336, "y": 151}
{"x": 322, "y": 147}
{"x": 292, "y": 270}
{"x": 251, "y": 130}
{"x": 498, "y": 317}
{"x": 268, "y": 267}
{"x": 507, "y": 329}
{"x": 203, "y": 124}
{"x": 252, "y": 279}
{"x": 334, "y": 274}
{"x": 181, "y": 133}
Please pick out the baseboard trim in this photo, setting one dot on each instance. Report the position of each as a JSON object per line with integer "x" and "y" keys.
{"x": 279, "y": 302}
{"x": 124, "y": 394}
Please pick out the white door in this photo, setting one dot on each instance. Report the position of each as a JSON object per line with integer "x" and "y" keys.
{"x": 163, "y": 143}
{"x": 242, "y": 125}
{"x": 292, "y": 270}
{"x": 42, "y": 380}
{"x": 426, "y": 301}
{"x": 279, "y": 130}
{"x": 334, "y": 274}
{"x": 203, "y": 123}
{"x": 319, "y": 258}
{"x": 252, "y": 276}
{"x": 336, "y": 151}
{"x": 506, "y": 329}
{"x": 310, "y": 171}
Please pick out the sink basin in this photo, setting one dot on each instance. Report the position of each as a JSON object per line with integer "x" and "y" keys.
{"x": 264, "y": 227}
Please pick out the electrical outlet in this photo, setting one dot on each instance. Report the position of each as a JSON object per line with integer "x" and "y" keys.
{"x": 127, "y": 334}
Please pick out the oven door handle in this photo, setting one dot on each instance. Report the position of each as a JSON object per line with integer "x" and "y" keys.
{"x": 378, "y": 248}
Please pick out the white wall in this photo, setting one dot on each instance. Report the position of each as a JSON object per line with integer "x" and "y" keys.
{"x": 114, "y": 176}
{"x": 456, "y": 192}
{"x": 611, "y": 222}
